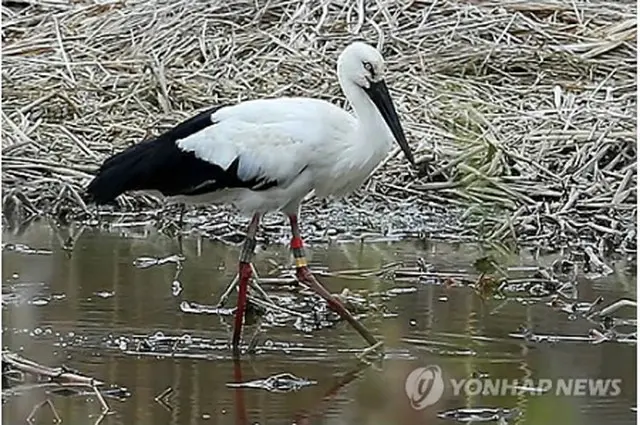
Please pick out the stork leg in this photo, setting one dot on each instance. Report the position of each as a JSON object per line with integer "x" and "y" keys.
{"x": 244, "y": 273}
{"x": 304, "y": 275}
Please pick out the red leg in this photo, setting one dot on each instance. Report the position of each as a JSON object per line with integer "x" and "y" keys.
{"x": 244, "y": 272}
{"x": 241, "y": 411}
{"x": 304, "y": 275}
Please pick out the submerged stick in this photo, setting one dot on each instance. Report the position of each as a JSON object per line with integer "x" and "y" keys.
{"x": 39, "y": 406}
{"x": 59, "y": 376}
{"x": 229, "y": 289}
{"x": 617, "y": 306}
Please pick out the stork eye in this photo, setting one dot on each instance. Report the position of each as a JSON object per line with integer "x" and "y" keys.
{"x": 368, "y": 67}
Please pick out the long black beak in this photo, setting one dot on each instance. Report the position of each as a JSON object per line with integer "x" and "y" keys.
{"x": 379, "y": 94}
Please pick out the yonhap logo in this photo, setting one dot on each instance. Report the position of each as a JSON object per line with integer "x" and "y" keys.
{"x": 424, "y": 386}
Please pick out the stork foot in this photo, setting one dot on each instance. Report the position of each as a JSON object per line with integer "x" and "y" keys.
{"x": 304, "y": 275}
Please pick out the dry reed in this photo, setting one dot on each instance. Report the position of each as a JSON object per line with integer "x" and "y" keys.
{"x": 523, "y": 114}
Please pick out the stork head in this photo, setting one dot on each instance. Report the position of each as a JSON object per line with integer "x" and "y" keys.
{"x": 363, "y": 66}
{"x": 361, "y": 63}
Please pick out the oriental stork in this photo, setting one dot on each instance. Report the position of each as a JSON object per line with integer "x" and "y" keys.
{"x": 266, "y": 155}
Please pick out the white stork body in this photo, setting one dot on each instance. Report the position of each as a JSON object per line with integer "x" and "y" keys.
{"x": 304, "y": 144}
{"x": 266, "y": 155}
{"x": 263, "y": 155}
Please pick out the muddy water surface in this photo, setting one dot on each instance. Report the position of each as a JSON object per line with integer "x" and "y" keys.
{"x": 91, "y": 310}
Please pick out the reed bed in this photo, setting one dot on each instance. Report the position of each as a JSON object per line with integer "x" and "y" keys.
{"x": 522, "y": 114}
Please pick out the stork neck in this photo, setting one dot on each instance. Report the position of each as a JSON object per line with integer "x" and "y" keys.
{"x": 369, "y": 119}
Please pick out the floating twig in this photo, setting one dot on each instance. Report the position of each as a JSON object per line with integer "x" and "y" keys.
{"x": 52, "y": 379}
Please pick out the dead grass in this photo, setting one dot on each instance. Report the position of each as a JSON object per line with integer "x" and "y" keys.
{"x": 522, "y": 113}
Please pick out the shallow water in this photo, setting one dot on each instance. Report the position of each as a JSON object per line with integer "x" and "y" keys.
{"x": 85, "y": 308}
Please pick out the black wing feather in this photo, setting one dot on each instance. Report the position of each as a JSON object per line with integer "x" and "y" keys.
{"x": 159, "y": 164}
